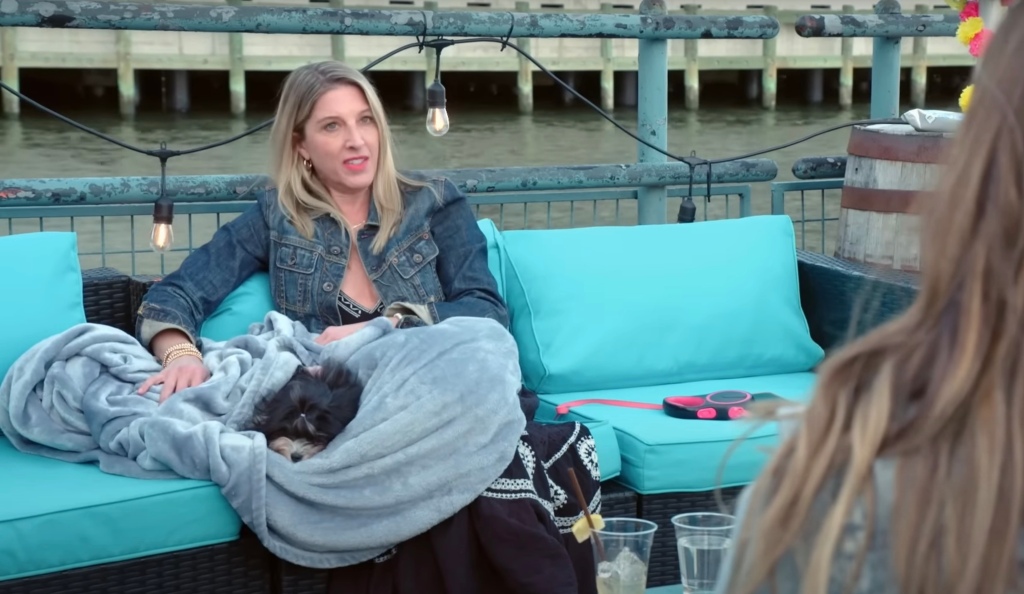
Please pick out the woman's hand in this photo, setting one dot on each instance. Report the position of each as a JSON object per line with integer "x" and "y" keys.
{"x": 183, "y": 372}
{"x": 332, "y": 333}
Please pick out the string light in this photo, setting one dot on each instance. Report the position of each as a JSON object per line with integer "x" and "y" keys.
{"x": 437, "y": 113}
{"x": 162, "y": 236}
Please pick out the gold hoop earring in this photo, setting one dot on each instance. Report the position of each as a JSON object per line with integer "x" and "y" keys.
{"x": 308, "y": 165}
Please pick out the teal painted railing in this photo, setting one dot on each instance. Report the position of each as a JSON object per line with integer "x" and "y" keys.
{"x": 104, "y": 210}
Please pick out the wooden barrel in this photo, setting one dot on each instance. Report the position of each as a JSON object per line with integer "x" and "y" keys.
{"x": 888, "y": 169}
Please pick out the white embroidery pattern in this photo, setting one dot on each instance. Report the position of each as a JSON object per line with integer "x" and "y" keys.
{"x": 588, "y": 454}
{"x": 508, "y": 488}
{"x": 527, "y": 456}
{"x": 558, "y": 496}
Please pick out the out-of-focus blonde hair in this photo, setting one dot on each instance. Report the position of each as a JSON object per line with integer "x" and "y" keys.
{"x": 938, "y": 391}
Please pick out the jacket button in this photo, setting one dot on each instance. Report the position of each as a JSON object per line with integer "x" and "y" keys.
{"x": 426, "y": 236}
{"x": 328, "y": 286}
{"x": 417, "y": 258}
{"x": 335, "y": 250}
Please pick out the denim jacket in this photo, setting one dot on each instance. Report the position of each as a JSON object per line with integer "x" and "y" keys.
{"x": 433, "y": 268}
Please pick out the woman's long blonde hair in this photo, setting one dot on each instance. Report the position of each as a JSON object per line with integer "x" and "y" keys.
{"x": 300, "y": 193}
{"x": 939, "y": 390}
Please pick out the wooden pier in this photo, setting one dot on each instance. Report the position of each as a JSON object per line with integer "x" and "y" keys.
{"x": 126, "y": 52}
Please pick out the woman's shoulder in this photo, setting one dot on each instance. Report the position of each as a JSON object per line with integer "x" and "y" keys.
{"x": 418, "y": 184}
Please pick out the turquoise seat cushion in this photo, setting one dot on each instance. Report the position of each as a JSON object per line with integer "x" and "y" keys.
{"x": 58, "y": 515}
{"x": 246, "y": 305}
{"x": 42, "y": 290}
{"x": 663, "y": 454}
{"x": 601, "y": 308}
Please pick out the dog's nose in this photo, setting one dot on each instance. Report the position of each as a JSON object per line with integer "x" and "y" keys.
{"x": 296, "y": 457}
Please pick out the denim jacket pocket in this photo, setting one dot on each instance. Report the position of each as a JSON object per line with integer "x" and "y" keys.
{"x": 296, "y": 268}
{"x": 416, "y": 262}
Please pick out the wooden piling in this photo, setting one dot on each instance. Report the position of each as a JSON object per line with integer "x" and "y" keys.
{"x": 607, "y": 68}
{"x": 846, "y": 67}
{"x": 770, "y": 69}
{"x": 181, "y": 91}
{"x": 691, "y": 80}
{"x": 236, "y": 69}
{"x": 919, "y": 65}
{"x": 524, "y": 79}
{"x": 9, "y": 69}
{"x": 126, "y": 91}
{"x": 815, "y": 81}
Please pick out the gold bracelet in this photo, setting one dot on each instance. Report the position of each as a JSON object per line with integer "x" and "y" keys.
{"x": 181, "y": 350}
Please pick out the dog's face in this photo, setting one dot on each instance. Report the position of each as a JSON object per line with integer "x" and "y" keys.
{"x": 309, "y": 411}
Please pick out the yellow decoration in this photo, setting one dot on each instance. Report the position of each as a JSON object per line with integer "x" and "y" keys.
{"x": 581, "y": 530}
{"x": 968, "y": 29}
{"x": 957, "y": 5}
{"x": 965, "y": 97}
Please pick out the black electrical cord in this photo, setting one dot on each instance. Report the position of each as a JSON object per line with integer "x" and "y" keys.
{"x": 164, "y": 153}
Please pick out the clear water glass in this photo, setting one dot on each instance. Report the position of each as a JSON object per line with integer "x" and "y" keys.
{"x": 702, "y": 541}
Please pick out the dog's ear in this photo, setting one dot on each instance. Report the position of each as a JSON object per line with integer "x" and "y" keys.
{"x": 338, "y": 376}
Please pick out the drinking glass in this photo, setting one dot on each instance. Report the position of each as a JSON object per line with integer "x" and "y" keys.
{"x": 622, "y": 550}
{"x": 702, "y": 540}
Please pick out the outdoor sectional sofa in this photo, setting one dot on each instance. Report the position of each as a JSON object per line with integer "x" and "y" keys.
{"x": 629, "y": 313}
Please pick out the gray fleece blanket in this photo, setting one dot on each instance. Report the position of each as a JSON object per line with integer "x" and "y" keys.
{"x": 438, "y": 423}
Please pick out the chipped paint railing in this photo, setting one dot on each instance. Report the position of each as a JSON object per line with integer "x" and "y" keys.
{"x": 887, "y": 26}
{"x": 653, "y": 27}
{"x": 650, "y": 184}
{"x": 103, "y": 210}
{"x": 816, "y": 223}
{"x": 652, "y": 23}
{"x": 821, "y": 179}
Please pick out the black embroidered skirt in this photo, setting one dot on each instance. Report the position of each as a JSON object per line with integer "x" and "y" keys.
{"x": 514, "y": 539}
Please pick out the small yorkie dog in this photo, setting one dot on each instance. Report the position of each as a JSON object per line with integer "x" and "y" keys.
{"x": 309, "y": 411}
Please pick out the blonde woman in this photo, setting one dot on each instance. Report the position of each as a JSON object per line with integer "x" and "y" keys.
{"x": 906, "y": 472}
{"x": 344, "y": 236}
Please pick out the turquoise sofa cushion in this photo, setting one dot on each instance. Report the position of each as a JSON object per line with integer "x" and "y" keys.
{"x": 247, "y": 304}
{"x": 663, "y": 454}
{"x": 621, "y": 307}
{"x": 495, "y": 252}
{"x": 58, "y": 515}
{"x": 42, "y": 290}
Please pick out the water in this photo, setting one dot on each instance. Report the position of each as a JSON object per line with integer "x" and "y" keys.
{"x": 626, "y": 574}
{"x": 39, "y": 146}
{"x": 700, "y": 558}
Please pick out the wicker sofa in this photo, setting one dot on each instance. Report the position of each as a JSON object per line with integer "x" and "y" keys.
{"x": 829, "y": 290}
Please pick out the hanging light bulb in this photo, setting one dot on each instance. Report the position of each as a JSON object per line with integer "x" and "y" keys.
{"x": 163, "y": 232}
{"x": 437, "y": 115}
